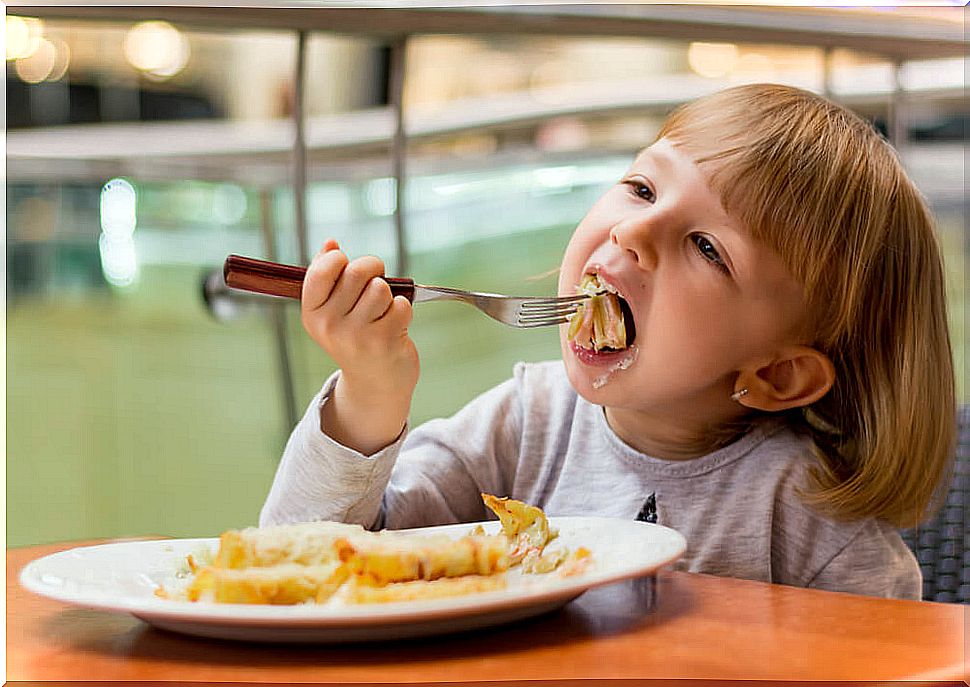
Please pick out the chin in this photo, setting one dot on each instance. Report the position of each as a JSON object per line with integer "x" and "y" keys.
{"x": 599, "y": 381}
{"x": 582, "y": 384}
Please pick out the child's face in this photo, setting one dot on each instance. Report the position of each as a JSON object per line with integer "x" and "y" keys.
{"x": 706, "y": 298}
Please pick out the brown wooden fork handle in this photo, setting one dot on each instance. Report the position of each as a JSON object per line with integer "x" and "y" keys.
{"x": 276, "y": 279}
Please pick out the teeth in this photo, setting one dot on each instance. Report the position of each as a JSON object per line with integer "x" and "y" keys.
{"x": 590, "y": 285}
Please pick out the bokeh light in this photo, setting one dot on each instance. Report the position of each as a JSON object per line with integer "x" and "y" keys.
{"x": 116, "y": 245}
{"x": 23, "y": 35}
{"x": 39, "y": 65}
{"x": 754, "y": 67}
{"x": 62, "y": 60}
{"x": 118, "y": 200}
{"x": 156, "y": 48}
{"x": 118, "y": 260}
{"x": 712, "y": 59}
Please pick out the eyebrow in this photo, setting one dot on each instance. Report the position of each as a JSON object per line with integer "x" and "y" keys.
{"x": 733, "y": 225}
{"x": 657, "y": 157}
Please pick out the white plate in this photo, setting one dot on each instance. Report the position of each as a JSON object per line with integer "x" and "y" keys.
{"x": 123, "y": 576}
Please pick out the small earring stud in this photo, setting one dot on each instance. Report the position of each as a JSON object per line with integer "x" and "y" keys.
{"x": 736, "y": 396}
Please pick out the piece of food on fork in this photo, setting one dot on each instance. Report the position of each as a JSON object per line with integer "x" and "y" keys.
{"x": 604, "y": 322}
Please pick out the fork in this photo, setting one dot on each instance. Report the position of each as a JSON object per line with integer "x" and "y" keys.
{"x": 276, "y": 279}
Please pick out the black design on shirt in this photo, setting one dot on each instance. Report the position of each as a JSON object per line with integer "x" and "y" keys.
{"x": 648, "y": 512}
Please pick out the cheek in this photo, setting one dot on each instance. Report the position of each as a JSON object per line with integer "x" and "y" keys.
{"x": 693, "y": 329}
{"x": 572, "y": 262}
{"x": 589, "y": 235}
{"x": 707, "y": 337}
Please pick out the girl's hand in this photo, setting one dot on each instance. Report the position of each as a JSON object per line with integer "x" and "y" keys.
{"x": 350, "y": 312}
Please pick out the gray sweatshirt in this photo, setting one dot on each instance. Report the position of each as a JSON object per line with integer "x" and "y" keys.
{"x": 533, "y": 438}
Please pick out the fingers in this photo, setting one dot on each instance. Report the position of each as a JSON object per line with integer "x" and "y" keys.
{"x": 374, "y": 301}
{"x": 355, "y": 277}
{"x": 398, "y": 315}
{"x": 322, "y": 276}
{"x": 336, "y": 287}
{"x": 350, "y": 311}
{"x": 378, "y": 305}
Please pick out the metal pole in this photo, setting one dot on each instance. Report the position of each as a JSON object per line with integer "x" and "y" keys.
{"x": 827, "y": 90}
{"x": 277, "y": 314}
{"x": 299, "y": 149}
{"x": 399, "y": 148}
{"x": 896, "y": 119}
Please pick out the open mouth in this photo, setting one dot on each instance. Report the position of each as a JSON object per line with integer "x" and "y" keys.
{"x": 604, "y": 322}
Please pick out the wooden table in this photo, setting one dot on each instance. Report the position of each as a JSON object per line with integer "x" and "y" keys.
{"x": 704, "y": 628}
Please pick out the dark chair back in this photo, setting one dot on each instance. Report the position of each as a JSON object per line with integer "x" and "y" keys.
{"x": 942, "y": 545}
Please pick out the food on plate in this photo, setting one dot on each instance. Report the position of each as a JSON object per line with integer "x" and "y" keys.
{"x": 525, "y": 526}
{"x": 386, "y": 558}
{"x": 380, "y": 556}
{"x": 603, "y": 321}
{"x": 528, "y": 530}
{"x": 335, "y": 563}
{"x": 567, "y": 562}
{"x": 358, "y": 592}
{"x": 287, "y": 583}
{"x": 308, "y": 543}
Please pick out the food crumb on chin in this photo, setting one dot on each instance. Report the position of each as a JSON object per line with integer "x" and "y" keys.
{"x": 623, "y": 364}
{"x": 598, "y": 323}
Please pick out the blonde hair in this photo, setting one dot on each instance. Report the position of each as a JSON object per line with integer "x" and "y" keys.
{"x": 817, "y": 184}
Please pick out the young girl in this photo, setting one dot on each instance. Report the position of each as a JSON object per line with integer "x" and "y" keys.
{"x": 786, "y": 402}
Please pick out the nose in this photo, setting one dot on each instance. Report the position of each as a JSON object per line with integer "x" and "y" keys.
{"x": 636, "y": 239}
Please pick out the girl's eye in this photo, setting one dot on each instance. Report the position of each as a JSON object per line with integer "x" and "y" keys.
{"x": 641, "y": 190}
{"x": 707, "y": 250}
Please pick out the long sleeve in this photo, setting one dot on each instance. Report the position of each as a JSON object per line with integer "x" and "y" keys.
{"x": 446, "y": 464}
{"x": 431, "y": 475}
{"x": 319, "y": 479}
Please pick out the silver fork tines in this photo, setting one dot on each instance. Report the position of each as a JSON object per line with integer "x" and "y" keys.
{"x": 539, "y": 312}
{"x": 516, "y": 311}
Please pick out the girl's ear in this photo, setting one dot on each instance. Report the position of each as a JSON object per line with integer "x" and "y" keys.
{"x": 799, "y": 376}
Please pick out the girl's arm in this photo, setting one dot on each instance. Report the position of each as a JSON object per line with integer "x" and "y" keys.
{"x": 433, "y": 475}
{"x": 349, "y": 310}
{"x": 875, "y": 562}
{"x": 447, "y": 463}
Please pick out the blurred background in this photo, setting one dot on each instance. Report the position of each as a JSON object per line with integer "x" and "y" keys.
{"x": 143, "y": 146}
